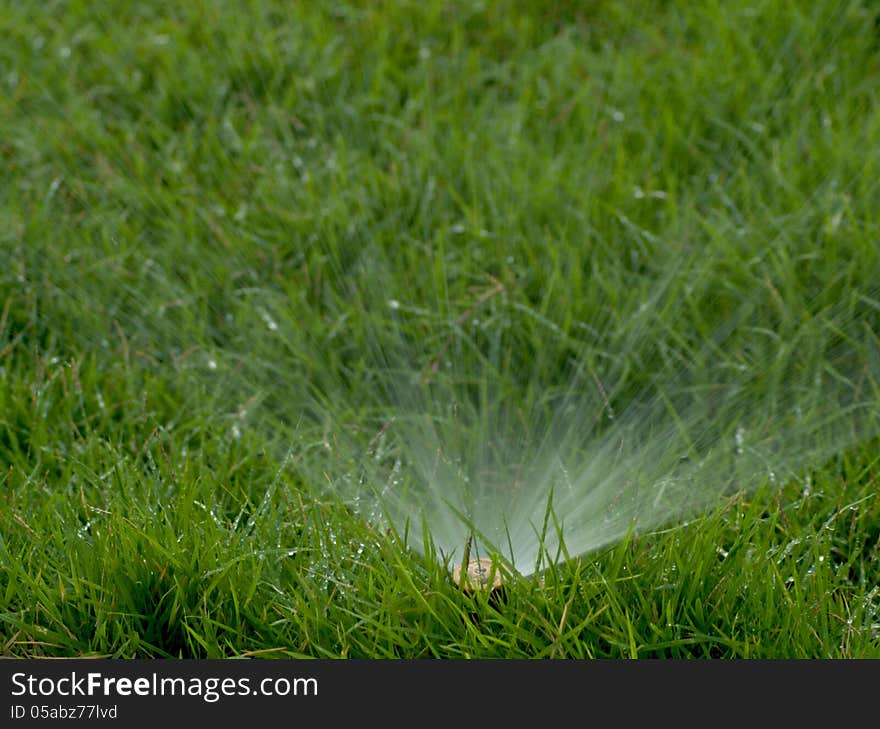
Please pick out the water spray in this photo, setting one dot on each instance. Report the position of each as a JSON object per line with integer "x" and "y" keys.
{"x": 774, "y": 388}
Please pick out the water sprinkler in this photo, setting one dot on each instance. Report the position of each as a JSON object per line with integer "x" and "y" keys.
{"x": 479, "y": 575}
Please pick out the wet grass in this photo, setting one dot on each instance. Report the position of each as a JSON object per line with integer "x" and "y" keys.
{"x": 223, "y": 232}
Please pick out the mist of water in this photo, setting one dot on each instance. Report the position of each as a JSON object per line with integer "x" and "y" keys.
{"x": 653, "y": 426}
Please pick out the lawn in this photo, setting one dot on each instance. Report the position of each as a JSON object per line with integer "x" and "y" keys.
{"x": 279, "y": 280}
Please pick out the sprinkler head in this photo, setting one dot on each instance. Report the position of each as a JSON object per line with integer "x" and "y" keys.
{"x": 479, "y": 571}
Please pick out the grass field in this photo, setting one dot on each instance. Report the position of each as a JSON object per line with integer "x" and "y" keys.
{"x": 229, "y": 229}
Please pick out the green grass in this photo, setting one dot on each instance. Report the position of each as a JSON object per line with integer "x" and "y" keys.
{"x": 206, "y": 209}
